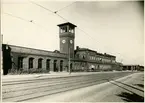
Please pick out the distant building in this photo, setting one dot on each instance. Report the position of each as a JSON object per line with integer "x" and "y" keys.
{"x": 133, "y": 67}
{"x": 17, "y": 59}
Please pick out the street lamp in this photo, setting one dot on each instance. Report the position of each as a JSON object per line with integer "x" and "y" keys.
{"x": 69, "y": 61}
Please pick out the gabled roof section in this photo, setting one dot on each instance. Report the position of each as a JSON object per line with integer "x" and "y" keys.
{"x": 67, "y": 23}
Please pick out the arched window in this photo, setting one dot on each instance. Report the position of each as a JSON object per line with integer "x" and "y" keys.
{"x": 48, "y": 64}
{"x": 83, "y": 56}
{"x": 40, "y": 63}
{"x": 20, "y": 62}
{"x": 31, "y": 63}
{"x": 61, "y": 65}
{"x": 55, "y": 66}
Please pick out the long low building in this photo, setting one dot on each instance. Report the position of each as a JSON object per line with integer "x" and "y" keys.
{"x": 133, "y": 67}
{"x": 17, "y": 59}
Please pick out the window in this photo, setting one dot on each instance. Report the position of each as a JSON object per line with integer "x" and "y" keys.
{"x": 20, "y": 62}
{"x": 100, "y": 59}
{"x": 55, "y": 66}
{"x": 90, "y": 57}
{"x": 40, "y": 63}
{"x": 77, "y": 55}
{"x": 63, "y": 29}
{"x": 71, "y": 30}
{"x": 31, "y": 63}
{"x": 83, "y": 57}
{"x": 61, "y": 65}
{"x": 48, "y": 64}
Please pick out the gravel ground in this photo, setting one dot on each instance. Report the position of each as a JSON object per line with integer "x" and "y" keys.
{"x": 56, "y": 89}
{"x": 126, "y": 89}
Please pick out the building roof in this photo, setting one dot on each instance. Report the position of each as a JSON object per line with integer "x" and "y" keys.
{"x": 20, "y": 49}
{"x": 67, "y": 23}
{"x": 131, "y": 65}
{"x": 86, "y": 49}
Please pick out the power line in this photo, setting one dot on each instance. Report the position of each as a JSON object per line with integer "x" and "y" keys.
{"x": 42, "y": 6}
{"x": 65, "y": 7}
{"x": 77, "y": 27}
{"x": 85, "y": 33}
{"x": 58, "y": 14}
{"x": 62, "y": 17}
{"x": 53, "y": 13}
{"x": 30, "y": 21}
{"x": 18, "y": 17}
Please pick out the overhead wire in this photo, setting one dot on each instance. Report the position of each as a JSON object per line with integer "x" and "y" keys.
{"x": 41, "y": 6}
{"x": 17, "y": 17}
{"x": 56, "y": 12}
{"x": 65, "y": 7}
{"x": 30, "y": 21}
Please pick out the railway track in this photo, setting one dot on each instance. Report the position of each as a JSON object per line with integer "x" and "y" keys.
{"x": 24, "y": 90}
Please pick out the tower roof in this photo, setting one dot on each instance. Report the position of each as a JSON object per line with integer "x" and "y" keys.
{"x": 67, "y": 23}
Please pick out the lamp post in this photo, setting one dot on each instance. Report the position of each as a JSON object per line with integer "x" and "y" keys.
{"x": 69, "y": 61}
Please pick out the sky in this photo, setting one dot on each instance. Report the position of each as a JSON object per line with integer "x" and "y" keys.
{"x": 113, "y": 27}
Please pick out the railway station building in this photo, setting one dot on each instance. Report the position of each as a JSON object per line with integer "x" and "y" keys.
{"x": 17, "y": 59}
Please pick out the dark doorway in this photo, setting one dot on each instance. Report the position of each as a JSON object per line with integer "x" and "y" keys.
{"x": 71, "y": 66}
{"x": 61, "y": 65}
{"x": 48, "y": 64}
{"x": 55, "y": 66}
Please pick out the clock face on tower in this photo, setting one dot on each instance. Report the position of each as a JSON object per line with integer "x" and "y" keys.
{"x": 63, "y": 41}
{"x": 71, "y": 41}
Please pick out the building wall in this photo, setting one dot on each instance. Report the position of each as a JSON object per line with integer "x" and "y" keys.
{"x": 133, "y": 67}
{"x": 35, "y": 62}
{"x": 27, "y": 53}
{"x": 94, "y": 61}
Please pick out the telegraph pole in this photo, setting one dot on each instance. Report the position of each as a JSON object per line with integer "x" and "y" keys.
{"x": 2, "y": 38}
{"x": 1, "y": 55}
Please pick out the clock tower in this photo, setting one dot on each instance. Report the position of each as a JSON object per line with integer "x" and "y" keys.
{"x": 67, "y": 36}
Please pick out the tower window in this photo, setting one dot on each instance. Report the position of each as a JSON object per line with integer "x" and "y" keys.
{"x": 71, "y": 30}
{"x": 63, "y": 29}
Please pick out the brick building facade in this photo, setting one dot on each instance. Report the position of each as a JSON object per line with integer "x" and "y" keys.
{"x": 29, "y": 60}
